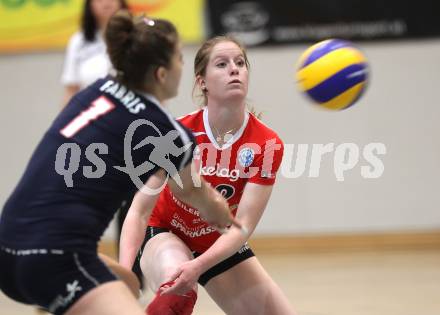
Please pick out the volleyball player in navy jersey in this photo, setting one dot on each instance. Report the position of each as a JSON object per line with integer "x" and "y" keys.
{"x": 95, "y": 154}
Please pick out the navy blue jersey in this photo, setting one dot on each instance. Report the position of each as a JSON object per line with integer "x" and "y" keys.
{"x": 105, "y": 141}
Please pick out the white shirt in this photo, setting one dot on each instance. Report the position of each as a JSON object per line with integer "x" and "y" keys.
{"x": 85, "y": 62}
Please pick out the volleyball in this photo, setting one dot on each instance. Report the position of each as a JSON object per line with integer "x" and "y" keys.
{"x": 332, "y": 73}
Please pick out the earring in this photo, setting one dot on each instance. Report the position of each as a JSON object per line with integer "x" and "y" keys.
{"x": 203, "y": 86}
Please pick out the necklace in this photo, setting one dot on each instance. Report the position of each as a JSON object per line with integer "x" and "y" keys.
{"x": 225, "y": 137}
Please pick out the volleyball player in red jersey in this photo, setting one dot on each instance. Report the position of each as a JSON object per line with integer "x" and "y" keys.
{"x": 239, "y": 156}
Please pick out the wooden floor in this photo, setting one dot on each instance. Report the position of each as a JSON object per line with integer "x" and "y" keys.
{"x": 340, "y": 283}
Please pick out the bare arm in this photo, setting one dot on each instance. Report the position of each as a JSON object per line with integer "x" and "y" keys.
{"x": 250, "y": 210}
{"x": 195, "y": 191}
{"x": 252, "y": 204}
{"x": 124, "y": 274}
{"x": 135, "y": 223}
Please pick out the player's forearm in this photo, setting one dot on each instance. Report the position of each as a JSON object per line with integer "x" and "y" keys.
{"x": 249, "y": 212}
{"x": 207, "y": 199}
{"x": 224, "y": 247}
{"x": 210, "y": 203}
{"x": 135, "y": 223}
{"x": 132, "y": 236}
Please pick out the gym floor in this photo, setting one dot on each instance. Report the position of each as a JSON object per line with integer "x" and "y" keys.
{"x": 385, "y": 282}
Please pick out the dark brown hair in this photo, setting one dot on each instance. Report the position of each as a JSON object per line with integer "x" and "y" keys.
{"x": 89, "y": 24}
{"x": 202, "y": 58}
{"x": 137, "y": 45}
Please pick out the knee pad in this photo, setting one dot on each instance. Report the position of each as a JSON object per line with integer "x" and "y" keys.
{"x": 172, "y": 304}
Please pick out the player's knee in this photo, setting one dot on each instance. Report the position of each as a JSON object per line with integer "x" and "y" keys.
{"x": 172, "y": 304}
{"x": 169, "y": 270}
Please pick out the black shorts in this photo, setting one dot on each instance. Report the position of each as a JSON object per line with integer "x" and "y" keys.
{"x": 244, "y": 253}
{"x": 50, "y": 278}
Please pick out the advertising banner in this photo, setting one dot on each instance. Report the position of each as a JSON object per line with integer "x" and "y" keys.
{"x": 282, "y": 21}
{"x": 36, "y": 25}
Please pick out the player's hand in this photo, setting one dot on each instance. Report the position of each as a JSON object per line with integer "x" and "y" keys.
{"x": 219, "y": 216}
{"x": 185, "y": 278}
{"x": 222, "y": 219}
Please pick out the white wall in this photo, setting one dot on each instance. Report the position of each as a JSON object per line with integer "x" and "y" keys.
{"x": 400, "y": 110}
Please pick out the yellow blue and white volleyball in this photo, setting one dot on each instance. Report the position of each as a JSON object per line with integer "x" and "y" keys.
{"x": 333, "y": 73}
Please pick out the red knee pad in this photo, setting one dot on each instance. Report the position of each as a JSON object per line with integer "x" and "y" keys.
{"x": 172, "y": 304}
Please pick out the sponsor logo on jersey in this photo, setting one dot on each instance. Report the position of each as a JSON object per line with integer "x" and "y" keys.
{"x": 246, "y": 157}
{"x": 179, "y": 223}
{"x": 184, "y": 206}
{"x": 233, "y": 174}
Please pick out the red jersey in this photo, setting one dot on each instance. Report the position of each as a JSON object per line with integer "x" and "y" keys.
{"x": 253, "y": 154}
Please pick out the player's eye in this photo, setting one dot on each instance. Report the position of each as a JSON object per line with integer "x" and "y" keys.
{"x": 241, "y": 63}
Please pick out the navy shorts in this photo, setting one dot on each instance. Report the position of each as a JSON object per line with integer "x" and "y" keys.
{"x": 50, "y": 278}
{"x": 244, "y": 253}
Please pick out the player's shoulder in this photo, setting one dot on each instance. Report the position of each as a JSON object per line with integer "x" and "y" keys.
{"x": 192, "y": 118}
{"x": 263, "y": 131}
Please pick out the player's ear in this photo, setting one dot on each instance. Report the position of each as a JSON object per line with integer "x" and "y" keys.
{"x": 201, "y": 83}
{"x": 161, "y": 74}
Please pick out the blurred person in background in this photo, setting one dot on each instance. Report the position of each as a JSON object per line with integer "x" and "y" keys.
{"x": 86, "y": 58}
